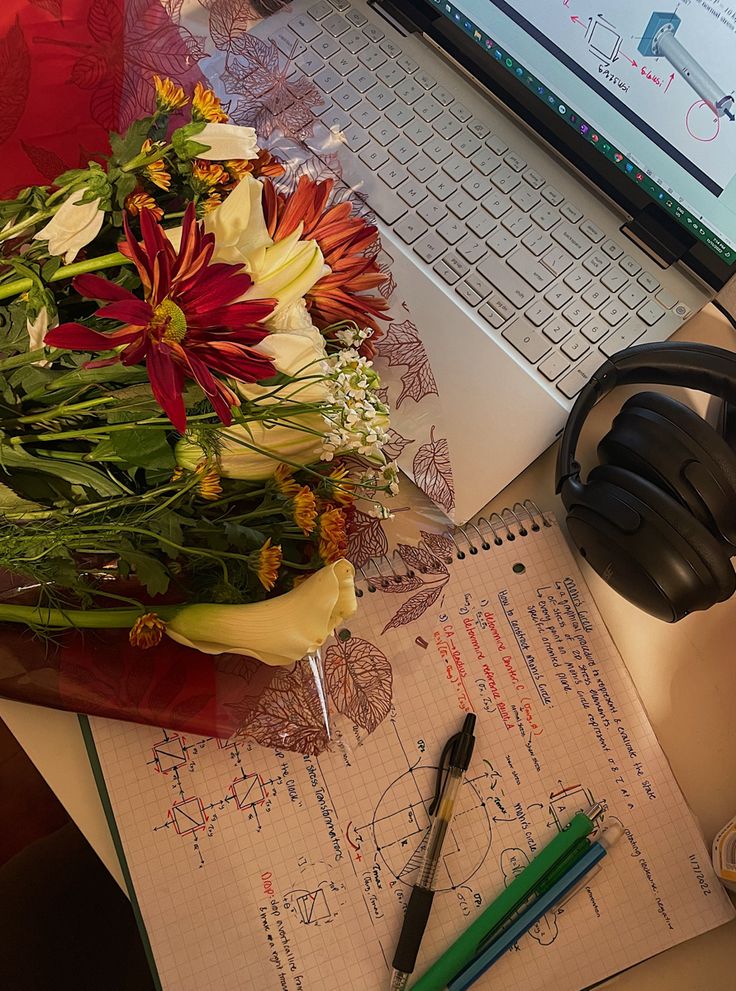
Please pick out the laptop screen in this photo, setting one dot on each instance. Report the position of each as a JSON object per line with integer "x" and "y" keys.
{"x": 652, "y": 90}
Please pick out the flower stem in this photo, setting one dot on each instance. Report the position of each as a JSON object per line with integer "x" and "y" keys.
{"x": 82, "y": 619}
{"x": 112, "y": 260}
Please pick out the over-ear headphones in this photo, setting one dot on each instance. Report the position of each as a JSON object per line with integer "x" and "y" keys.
{"x": 657, "y": 519}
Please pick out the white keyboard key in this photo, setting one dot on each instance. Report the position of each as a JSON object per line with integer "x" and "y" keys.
{"x": 457, "y": 168}
{"x": 382, "y": 201}
{"x": 485, "y": 161}
{"x": 477, "y": 186}
{"x": 398, "y": 113}
{"x": 553, "y": 366}
{"x": 344, "y": 63}
{"x": 390, "y": 74}
{"x": 427, "y": 108}
{"x": 570, "y": 212}
{"x": 626, "y": 335}
{"x": 496, "y": 144}
{"x": 355, "y": 17}
{"x": 575, "y": 346}
{"x": 552, "y": 195}
{"x": 538, "y": 312}
{"x": 576, "y": 312}
{"x": 446, "y": 126}
{"x": 574, "y": 381}
{"x": 614, "y": 280}
{"x": 595, "y": 234}
{"x": 442, "y": 95}
{"x": 409, "y": 91}
{"x": 571, "y": 239}
{"x": 505, "y": 180}
{"x": 501, "y": 242}
{"x": 472, "y": 249}
{"x": 681, "y": 311}
{"x": 501, "y": 305}
{"x": 437, "y": 149}
{"x": 407, "y": 63}
{"x": 460, "y": 204}
{"x": 439, "y": 185}
{"x": 403, "y": 150}
{"x": 412, "y": 192}
{"x": 288, "y": 43}
{"x": 535, "y": 180}
{"x": 466, "y": 144}
{"x": 649, "y": 282}
{"x": 557, "y": 330}
{"x": 596, "y": 295}
{"x": 390, "y": 48}
{"x": 516, "y": 222}
{"x": 467, "y": 293}
{"x": 596, "y": 262}
{"x": 346, "y": 97}
{"x": 304, "y": 27}
{"x": 460, "y": 111}
{"x": 392, "y": 174}
{"x": 612, "y": 249}
{"x": 666, "y": 298}
{"x": 457, "y": 264}
{"x": 496, "y": 204}
{"x": 558, "y": 296}
{"x": 326, "y": 46}
{"x": 545, "y": 216}
{"x": 451, "y": 230}
{"x": 384, "y": 132}
{"x": 650, "y": 313}
{"x": 431, "y": 212}
{"x": 310, "y": 62}
{"x": 632, "y": 296}
{"x": 527, "y": 341}
{"x": 480, "y": 224}
{"x": 374, "y": 156}
{"x": 515, "y": 162}
{"x": 479, "y": 129}
{"x": 479, "y": 284}
{"x": 336, "y": 119}
{"x": 577, "y": 280}
{"x": 373, "y": 32}
{"x": 320, "y": 10}
{"x": 614, "y": 313}
{"x": 508, "y": 283}
{"x": 355, "y": 137}
{"x": 335, "y": 25}
{"x": 328, "y": 79}
{"x": 595, "y": 329}
{"x": 380, "y": 96}
{"x": 425, "y": 80}
{"x": 526, "y": 199}
{"x": 364, "y": 115}
{"x": 629, "y": 266}
{"x": 557, "y": 260}
{"x": 362, "y": 79}
{"x": 410, "y": 228}
{"x": 430, "y": 247}
{"x": 418, "y": 132}
{"x": 423, "y": 168}
{"x": 371, "y": 57}
{"x": 491, "y": 316}
{"x": 536, "y": 241}
{"x": 445, "y": 273}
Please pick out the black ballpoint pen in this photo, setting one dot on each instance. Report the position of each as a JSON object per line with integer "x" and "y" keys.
{"x": 454, "y": 761}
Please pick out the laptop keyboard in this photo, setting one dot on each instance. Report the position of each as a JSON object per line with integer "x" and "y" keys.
{"x": 554, "y": 285}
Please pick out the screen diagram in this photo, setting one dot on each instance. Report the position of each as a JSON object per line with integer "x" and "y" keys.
{"x": 668, "y": 69}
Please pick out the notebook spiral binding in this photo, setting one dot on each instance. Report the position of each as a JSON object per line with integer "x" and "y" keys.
{"x": 482, "y": 535}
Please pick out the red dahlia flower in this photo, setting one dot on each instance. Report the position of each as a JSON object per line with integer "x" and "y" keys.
{"x": 189, "y": 324}
{"x": 348, "y": 245}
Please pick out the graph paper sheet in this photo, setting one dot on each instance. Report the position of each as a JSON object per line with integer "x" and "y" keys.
{"x": 262, "y": 870}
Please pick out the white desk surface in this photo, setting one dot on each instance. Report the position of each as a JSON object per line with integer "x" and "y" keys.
{"x": 685, "y": 675}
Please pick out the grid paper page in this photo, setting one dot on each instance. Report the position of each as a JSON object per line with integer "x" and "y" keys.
{"x": 273, "y": 871}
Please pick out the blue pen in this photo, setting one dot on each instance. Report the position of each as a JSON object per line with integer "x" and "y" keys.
{"x": 513, "y": 933}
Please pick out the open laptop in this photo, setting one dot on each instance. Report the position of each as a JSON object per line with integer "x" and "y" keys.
{"x": 553, "y": 183}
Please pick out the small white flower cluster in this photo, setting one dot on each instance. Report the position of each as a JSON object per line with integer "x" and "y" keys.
{"x": 359, "y": 423}
{"x": 352, "y": 336}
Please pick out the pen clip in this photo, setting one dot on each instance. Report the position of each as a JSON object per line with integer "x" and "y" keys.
{"x": 442, "y": 772}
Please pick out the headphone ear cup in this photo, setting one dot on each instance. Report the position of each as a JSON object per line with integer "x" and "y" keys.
{"x": 647, "y": 546}
{"x": 667, "y": 443}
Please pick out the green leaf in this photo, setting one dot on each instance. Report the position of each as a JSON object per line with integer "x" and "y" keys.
{"x": 69, "y": 471}
{"x": 144, "y": 447}
{"x": 149, "y": 571}
{"x": 169, "y": 525}
{"x": 127, "y": 146}
{"x": 184, "y": 147}
{"x": 243, "y": 538}
{"x": 124, "y": 186}
{"x": 51, "y": 266}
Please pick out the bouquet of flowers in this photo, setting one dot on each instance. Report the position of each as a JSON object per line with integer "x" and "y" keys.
{"x": 188, "y": 410}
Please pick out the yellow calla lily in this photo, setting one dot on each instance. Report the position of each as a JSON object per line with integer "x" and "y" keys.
{"x": 277, "y": 631}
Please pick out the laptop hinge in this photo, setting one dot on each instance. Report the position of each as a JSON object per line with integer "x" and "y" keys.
{"x": 397, "y": 18}
{"x": 665, "y": 241}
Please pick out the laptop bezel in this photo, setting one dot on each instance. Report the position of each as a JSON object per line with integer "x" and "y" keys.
{"x": 422, "y": 16}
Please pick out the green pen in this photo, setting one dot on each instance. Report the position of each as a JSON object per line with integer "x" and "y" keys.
{"x": 549, "y": 864}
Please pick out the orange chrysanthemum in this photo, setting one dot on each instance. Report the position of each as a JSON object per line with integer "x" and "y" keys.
{"x": 140, "y": 200}
{"x": 333, "y": 540}
{"x": 169, "y": 96}
{"x": 266, "y": 563}
{"x": 156, "y": 172}
{"x": 348, "y": 245}
{"x": 207, "y": 175}
{"x": 341, "y": 487}
{"x": 206, "y": 106}
{"x": 283, "y": 479}
{"x": 209, "y": 487}
{"x": 147, "y": 631}
{"x": 304, "y": 508}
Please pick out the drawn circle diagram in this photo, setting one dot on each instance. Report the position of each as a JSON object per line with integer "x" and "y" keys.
{"x": 401, "y": 824}
{"x": 701, "y": 122}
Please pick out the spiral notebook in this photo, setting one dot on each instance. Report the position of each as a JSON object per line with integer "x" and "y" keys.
{"x": 254, "y": 867}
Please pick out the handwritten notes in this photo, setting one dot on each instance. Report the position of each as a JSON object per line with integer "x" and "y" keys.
{"x": 295, "y": 870}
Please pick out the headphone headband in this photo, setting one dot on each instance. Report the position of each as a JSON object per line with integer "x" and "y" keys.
{"x": 692, "y": 366}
